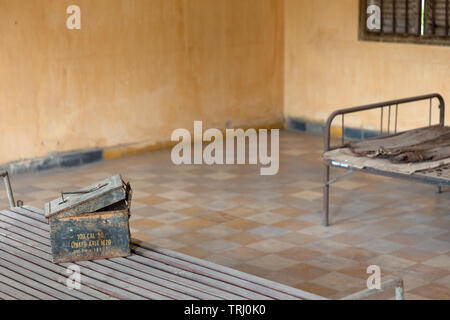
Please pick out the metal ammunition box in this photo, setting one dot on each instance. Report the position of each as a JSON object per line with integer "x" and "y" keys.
{"x": 92, "y": 223}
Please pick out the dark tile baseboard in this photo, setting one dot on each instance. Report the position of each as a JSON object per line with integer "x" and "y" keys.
{"x": 317, "y": 128}
{"x": 60, "y": 160}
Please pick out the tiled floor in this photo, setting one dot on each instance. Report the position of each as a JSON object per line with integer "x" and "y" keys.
{"x": 270, "y": 226}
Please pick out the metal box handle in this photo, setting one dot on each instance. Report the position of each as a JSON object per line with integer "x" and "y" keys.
{"x": 80, "y": 192}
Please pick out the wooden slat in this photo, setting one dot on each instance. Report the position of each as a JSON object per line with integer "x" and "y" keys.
{"x": 47, "y": 292}
{"x": 9, "y": 290}
{"x": 42, "y": 240}
{"x": 33, "y": 255}
{"x": 41, "y": 243}
{"x": 174, "y": 294}
{"x": 31, "y": 222}
{"x": 163, "y": 283}
{"x": 4, "y": 218}
{"x": 144, "y": 288}
{"x": 4, "y": 296}
{"x": 90, "y": 269}
{"x": 147, "y": 289}
{"x": 232, "y": 272}
{"x": 209, "y": 278}
{"x": 165, "y": 274}
{"x": 247, "y": 288}
{"x": 34, "y": 209}
{"x": 29, "y": 213}
{"x": 38, "y": 265}
{"x": 45, "y": 249}
{"x": 151, "y": 273}
{"x": 24, "y": 288}
{"x": 23, "y": 234}
{"x": 44, "y": 276}
{"x": 15, "y": 236}
{"x": 248, "y": 295}
{"x": 212, "y": 283}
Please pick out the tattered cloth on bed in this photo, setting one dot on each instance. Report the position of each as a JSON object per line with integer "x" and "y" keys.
{"x": 424, "y": 144}
{"x": 345, "y": 158}
{"x": 407, "y": 152}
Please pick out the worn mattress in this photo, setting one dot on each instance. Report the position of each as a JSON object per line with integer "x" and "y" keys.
{"x": 407, "y": 152}
{"x": 419, "y": 145}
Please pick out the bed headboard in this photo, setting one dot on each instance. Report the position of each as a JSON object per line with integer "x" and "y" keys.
{"x": 382, "y": 106}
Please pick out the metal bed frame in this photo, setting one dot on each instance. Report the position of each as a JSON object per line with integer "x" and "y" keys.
{"x": 432, "y": 176}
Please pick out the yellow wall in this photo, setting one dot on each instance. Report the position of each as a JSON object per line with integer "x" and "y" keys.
{"x": 135, "y": 71}
{"x": 328, "y": 68}
{"x": 138, "y": 69}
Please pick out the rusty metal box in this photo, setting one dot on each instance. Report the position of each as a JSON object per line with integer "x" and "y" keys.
{"x": 92, "y": 223}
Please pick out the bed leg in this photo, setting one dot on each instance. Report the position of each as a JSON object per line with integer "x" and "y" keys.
{"x": 326, "y": 196}
{"x": 439, "y": 190}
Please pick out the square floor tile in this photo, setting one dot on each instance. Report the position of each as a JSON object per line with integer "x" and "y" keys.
{"x": 218, "y": 246}
{"x": 381, "y": 246}
{"x": 308, "y": 195}
{"x": 267, "y": 218}
{"x": 272, "y": 262}
{"x": 219, "y": 231}
{"x": 271, "y": 246}
{"x": 442, "y": 262}
{"x": 339, "y": 282}
{"x": 269, "y": 231}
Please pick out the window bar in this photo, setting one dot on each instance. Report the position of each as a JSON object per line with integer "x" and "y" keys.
{"x": 433, "y": 16}
{"x": 407, "y": 17}
{"x": 446, "y": 17}
{"x": 394, "y": 21}
{"x": 431, "y": 108}
{"x": 389, "y": 121}
{"x": 381, "y": 132}
{"x": 382, "y": 15}
{"x": 343, "y": 131}
{"x": 419, "y": 24}
{"x": 396, "y": 117}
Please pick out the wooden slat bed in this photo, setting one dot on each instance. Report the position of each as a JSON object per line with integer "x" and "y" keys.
{"x": 26, "y": 271}
{"x": 438, "y": 175}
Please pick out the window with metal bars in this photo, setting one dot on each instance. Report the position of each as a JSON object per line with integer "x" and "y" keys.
{"x": 418, "y": 21}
